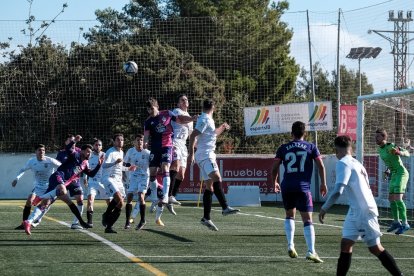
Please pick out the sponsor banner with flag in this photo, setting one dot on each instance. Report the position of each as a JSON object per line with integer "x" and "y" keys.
{"x": 279, "y": 118}
{"x": 348, "y": 121}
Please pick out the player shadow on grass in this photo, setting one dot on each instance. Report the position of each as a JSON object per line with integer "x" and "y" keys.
{"x": 387, "y": 222}
{"x": 168, "y": 235}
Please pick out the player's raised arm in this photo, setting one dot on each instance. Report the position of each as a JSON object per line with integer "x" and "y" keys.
{"x": 223, "y": 127}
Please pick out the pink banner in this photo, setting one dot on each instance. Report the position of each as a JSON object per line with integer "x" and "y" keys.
{"x": 348, "y": 121}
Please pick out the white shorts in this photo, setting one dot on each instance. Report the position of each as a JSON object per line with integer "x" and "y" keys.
{"x": 113, "y": 185}
{"x": 97, "y": 189}
{"x": 138, "y": 184}
{"x": 39, "y": 190}
{"x": 207, "y": 166}
{"x": 180, "y": 153}
{"x": 363, "y": 227}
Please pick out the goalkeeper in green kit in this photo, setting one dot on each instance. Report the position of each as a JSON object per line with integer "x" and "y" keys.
{"x": 390, "y": 154}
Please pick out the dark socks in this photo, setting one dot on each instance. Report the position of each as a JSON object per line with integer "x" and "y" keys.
{"x": 173, "y": 174}
{"x": 111, "y": 206}
{"x": 142, "y": 211}
{"x": 76, "y": 212}
{"x": 113, "y": 217}
{"x": 389, "y": 263}
{"x": 218, "y": 191}
{"x": 26, "y": 212}
{"x": 176, "y": 186}
{"x": 89, "y": 215}
{"x": 207, "y": 201}
{"x": 344, "y": 262}
{"x": 128, "y": 210}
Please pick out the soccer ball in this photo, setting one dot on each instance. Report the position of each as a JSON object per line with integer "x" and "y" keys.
{"x": 130, "y": 67}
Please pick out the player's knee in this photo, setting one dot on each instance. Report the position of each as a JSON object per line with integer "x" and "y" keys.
{"x": 61, "y": 190}
{"x": 307, "y": 223}
{"x": 376, "y": 249}
{"x": 346, "y": 245}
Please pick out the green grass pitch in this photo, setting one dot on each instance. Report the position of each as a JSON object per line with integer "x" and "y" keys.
{"x": 250, "y": 243}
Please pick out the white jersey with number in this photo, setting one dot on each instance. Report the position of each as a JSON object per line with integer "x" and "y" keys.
{"x": 352, "y": 173}
{"x": 206, "y": 141}
{"x": 181, "y": 131}
{"x": 42, "y": 170}
{"x": 139, "y": 159}
{"x": 114, "y": 171}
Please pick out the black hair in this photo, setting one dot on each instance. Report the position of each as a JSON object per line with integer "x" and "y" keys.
{"x": 383, "y": 132}
{"x": 117, "y": 135}
{"x": 343, "y": 141}
{"x": 38, "y": 146}
{"x": 152, "y": 102}
{"x": 179, "y": 97}
{"x": 298, "y": 129}
{"x": 87, "y": 146}
{"x": 208, "y": 104}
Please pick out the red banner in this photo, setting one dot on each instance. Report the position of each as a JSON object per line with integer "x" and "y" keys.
{"x": 348, "y": 121}
{"x": 236, "y": 171}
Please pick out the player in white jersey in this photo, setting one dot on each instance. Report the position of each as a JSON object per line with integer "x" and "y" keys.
{"x": 361, "y": 222}
{"x": 112, "y": 180}
{"x": 180, "y": 153}
{"x": 95, "y": 187}
{"x": 42, "y": 167}
{"x": 138, "y": 179}
{"x": 206, "y": 134}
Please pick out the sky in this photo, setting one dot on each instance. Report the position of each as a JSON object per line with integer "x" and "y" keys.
{"x": 358, "y": 16}
{"x": 85, "y": 9}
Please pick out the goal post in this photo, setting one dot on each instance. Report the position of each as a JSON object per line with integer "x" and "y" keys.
{"x": 393, "y": 111}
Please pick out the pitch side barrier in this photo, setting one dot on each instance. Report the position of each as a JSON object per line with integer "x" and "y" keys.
{"x": 236, "y": 170}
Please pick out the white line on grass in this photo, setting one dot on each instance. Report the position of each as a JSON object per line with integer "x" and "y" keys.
{"x": 117, "y": 248}
{"x": 258, "y": 257}
{"x": 298, "y": 221}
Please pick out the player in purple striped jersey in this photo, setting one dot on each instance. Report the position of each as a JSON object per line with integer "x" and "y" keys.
{"x": 297, "y": 157}
{"x": 75, "y": 188}
{"x": 158, "y": 133}
{"x": 70, "y": 171}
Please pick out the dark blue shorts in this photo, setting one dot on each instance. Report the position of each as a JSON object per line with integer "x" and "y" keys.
{"x": 299, "y": 200}
{"x": 159, "y": 156}
{"x": 73, "y": 188}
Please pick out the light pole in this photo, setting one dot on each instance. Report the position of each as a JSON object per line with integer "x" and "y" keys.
{"x": 361, "y": 53}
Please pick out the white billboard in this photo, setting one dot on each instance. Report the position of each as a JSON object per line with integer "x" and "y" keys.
{"x": 274, "y": 119}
